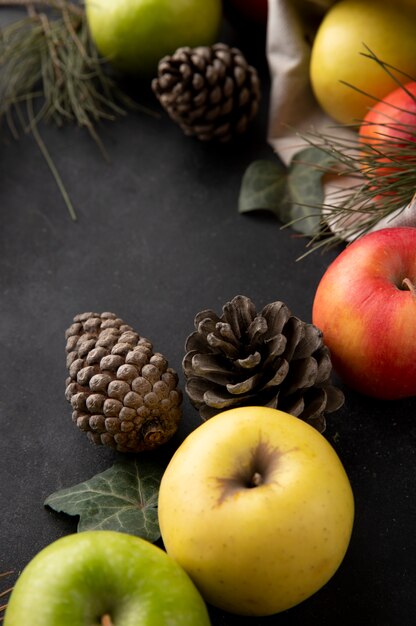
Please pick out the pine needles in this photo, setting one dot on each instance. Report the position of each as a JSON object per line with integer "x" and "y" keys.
{"x": 51, "y": 71}
{"x": 4, "y": 594}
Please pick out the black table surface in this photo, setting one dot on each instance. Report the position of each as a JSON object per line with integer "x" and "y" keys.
{"x": 158, "y": 239}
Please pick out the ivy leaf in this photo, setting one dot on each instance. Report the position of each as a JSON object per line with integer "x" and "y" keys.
{"x": 305, "y": 189}
{"x": 122, "y": 498}
{"x": 264, "y": 187}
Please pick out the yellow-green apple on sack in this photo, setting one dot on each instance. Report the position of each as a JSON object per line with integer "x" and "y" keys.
{"x": 256, "y": 506}
{"x": 135, "y": 34}
{"x": 105, "y": 578}
{"x": 387, "y": 28}
{"x": 365, "y": 305}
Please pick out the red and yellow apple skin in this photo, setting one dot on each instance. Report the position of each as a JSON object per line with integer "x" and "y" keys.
{"x": 365, "y": 304}
{"x": 389, "y": 129}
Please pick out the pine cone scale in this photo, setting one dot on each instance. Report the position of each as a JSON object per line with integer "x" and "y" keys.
{"x": 335, "y": 399}
{"x": 252, "y": 360}
{"x": 276, "y": 348}
{"x": 324, "y": 367}
{"x": 277, "y": 315}
{"x": 207, "y": 364}
{"x": 220, "y": 400}
{"x": 244, "y": 386}
{"x": 281, "y": 371}
{"x": 303, "y": 374}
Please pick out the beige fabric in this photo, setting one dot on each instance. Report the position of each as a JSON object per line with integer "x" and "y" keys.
{"x": 293, "y": 108}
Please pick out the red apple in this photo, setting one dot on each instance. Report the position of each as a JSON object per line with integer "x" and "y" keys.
{"x": 389, "y": 128}
{"x": 365, "y": 304}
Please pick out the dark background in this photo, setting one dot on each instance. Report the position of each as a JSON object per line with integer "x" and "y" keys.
{"x": 158, "y": 239}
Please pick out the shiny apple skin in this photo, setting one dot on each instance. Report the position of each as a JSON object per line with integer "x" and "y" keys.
{"x": 367, "y": 317}
{"x": 256, "y": 549}
{"x": 104, "y": 577}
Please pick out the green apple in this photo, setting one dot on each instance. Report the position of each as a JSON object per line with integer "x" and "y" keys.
{"x": 135, "y": 34}
{"x": 387, "y": 28}
{"x": 256, "y": 506}
{"x": 104, "y": 578}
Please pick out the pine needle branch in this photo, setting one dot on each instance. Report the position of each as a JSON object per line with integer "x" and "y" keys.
{"x": 51, "y": 71}
{"x": 5, "y": 593}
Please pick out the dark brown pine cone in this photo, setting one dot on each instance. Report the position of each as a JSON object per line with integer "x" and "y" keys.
{"x": 271, "y": 358}
{"x": 123, "y": 394}
{"x": 210, "y": 91}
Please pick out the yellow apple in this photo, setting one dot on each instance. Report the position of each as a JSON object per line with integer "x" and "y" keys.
{"x": 387, "y": 28}
{"x": 135, "y": 34}
{"x": 257, "y": 508}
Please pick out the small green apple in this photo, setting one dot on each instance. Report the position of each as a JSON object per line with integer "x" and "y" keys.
{"x": 135, "y": 34}
{"x": 388, "y": 29}
{"x": 256, "y": 506}
{"x": 104, "y": 578}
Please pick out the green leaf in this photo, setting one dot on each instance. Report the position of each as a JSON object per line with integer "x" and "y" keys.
{"x": 294, "y": 194}
{"x": 264, "y": 187}
{"x": 305, "y": 189}
{"x": 122, "y": 498}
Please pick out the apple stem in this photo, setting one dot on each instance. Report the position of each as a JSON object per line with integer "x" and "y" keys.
{"x": 106, "y": 620}
{"x": 256, "y": 479}
{"x": 407, "y": 284}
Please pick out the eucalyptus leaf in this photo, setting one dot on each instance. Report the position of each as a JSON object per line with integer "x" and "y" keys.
{"x": 122, "y": 498}
{"x": 264, "y": 187}
{"x": 294, "y": 194}
{"x": 305, "y": 188}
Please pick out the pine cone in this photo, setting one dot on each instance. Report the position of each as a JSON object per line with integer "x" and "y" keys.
{"x": 123, "y": 394}
{"x": 211, "y": 92}
{"x": 268, "y": 359}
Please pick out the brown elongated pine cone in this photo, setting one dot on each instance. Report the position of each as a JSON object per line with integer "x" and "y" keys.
{"x": 271, "y": 358}
{"x": 210, "y": 91}
{"x": 123, "y": 394}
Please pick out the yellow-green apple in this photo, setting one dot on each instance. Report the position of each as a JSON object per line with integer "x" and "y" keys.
{"x": 365, "y": 304}
{"x": 135, "y": 34}
{"x": 387, "y": 28}
{"x": 105, "y": 578}
{"x": 256, "y": 506}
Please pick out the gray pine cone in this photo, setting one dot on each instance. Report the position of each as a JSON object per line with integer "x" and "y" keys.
{"x": 210, "y": 91}
{"x": 271, "y": 358}
{"x": 123, "y": 394}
